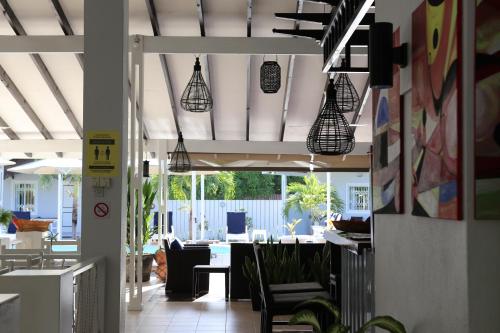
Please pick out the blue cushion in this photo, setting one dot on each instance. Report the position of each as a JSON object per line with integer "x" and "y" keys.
{"x": 169, "y": 218}
{"x": 12, "y": 228}
{"x": 176, "y": 245}
{"x": 236, "y": 223}
{"x": 20, "y": 215}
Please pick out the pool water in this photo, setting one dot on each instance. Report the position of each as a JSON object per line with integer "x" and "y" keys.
{"x": 150, "y": 248}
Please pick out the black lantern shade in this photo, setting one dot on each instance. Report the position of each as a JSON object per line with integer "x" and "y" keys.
{"x": 347, "y": 96}
{"x": 196, "y": 97}
{"x": 145, "y": 169}
{"x": 330, "y": 133}
{"x": 180, "y": 162}
{"x": 270, "y": 77}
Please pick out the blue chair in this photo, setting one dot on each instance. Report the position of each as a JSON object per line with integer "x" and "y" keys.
{"x": 236, "y": 227}
{"x": 169, "y": 223}
{"x": 20, "y": 215}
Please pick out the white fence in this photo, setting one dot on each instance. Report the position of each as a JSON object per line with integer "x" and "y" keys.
{"x": 262, "y": 214}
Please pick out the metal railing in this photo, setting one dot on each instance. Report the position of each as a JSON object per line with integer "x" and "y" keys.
{"x": 358, "y": 299}
{"x": 88, "y": 295}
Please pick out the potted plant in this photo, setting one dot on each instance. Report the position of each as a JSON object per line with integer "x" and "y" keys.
{"x": 306, "y": 316}
{"x": 310, "y": 196}
{"x": 5, "y": 217}
{"x": 290, "y": 227}
{"x": 251, "y": 274}
{"x": 149, "y": 190}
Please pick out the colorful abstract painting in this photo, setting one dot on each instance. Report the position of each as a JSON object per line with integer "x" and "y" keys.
{"x": 387, "y": 146}
{"x": 436, "y": 152}
{"x": 487, "y": 145}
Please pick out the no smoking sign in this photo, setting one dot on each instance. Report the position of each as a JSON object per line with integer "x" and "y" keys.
{"x": 101, "y": 210}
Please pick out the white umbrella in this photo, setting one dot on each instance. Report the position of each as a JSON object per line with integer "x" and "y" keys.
{"x": 3, "y": 161}
{"x": 50, "y": 167}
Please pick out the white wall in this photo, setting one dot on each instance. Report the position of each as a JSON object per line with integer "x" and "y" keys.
{"x": 437, "y": 275}
{"x": 46, "y": 199}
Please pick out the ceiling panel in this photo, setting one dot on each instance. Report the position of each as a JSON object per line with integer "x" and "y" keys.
{"x": 31, "y": 84}
{"x": 158, "y": 111}
{"x": 178, "y": 17}
{"x": 305, "y": 98}
{"x": 229, "y": 92}
{"x": 266, "y": 109}
{"x": 225, "y": 18}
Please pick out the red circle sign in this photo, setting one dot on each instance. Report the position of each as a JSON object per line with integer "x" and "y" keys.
{"x": 101, "y": 209}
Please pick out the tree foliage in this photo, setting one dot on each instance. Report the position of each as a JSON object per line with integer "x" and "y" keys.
{"x": 310, "y": 196}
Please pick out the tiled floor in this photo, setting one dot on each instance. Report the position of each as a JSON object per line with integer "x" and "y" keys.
{"x": 210, "y": 313}
{"x": 186, "y": 317}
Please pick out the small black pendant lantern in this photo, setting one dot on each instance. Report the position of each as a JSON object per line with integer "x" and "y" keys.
{"x": 270, "y": 76}
{"x": 180, "y": 162}
{"x": 145, "y": 169}
{"x": 196, "y": 97}
{"x": 330, "y": 133}
{"x": 347, "y": 96}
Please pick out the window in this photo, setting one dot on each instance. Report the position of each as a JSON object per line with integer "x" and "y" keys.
{"x": 358, "y": 197}
{"x": 25, "y": 197}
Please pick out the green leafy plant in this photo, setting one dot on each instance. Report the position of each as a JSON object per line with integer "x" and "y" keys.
{"x": 305, "y": 316}
{"x": 52, "y": 237}
{"x": 149, "y": 191}
{"x": 310, "y": 196}
{"x": 320, "y": 267}
{"x": 5, "y": 217}
{"x": 292, "y": 225}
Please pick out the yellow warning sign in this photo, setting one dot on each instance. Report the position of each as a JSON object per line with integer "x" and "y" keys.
{"x": 103, "y": 154}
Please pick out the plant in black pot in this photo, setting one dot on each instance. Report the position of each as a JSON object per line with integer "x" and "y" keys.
{"x": 251, "y": 274}
{"x": 149, "y": 190}
{"x": 280, "y": 266}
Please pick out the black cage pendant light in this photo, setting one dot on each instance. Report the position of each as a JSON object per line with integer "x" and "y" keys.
{"x": 330, "y": 133}
{"x": 347, "y": 96}
{"x": 196, "y": 97}
{"x": 270, "y": 76}
{"x": 179, "y": 161}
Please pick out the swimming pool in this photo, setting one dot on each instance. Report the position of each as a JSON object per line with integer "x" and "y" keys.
{"x": 150, "y": 248}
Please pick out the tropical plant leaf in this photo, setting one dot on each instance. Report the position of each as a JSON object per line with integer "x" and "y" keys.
{"x": 387, "y": 323}
{"x": 320, "y": 301}
{"x": 338, "y": 328}
{"x": 306, "y": 317}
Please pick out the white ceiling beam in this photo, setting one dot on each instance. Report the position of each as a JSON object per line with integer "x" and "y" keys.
{"x": 232, "y": 45}
{"x": 170, "y": 45}
{"x": 192, "y": 146}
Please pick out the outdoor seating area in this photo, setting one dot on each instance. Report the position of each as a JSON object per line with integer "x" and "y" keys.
{"x": 250, "y": 166}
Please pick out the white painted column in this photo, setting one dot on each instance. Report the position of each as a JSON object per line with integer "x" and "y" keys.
{"x": 159, "y": 197}
{"x": 193, "y": 205}
{"x": 202, "y": 208}
{"x": 105, "y": 108}
{"x": 328, "y": 195}
{"x": 165, "y": 195}
{"x": 283, "y": 196}
{"x": 60, "y": 198}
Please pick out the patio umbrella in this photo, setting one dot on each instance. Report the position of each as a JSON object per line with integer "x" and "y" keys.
{"x": 50, "y": 167}
{"x": 3, "y": 162}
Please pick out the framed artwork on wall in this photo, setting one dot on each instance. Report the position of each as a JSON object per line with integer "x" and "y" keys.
{"x": 436, "y": 110}
{"x": 387, "y": 157}
{"x": 487, "y": 110}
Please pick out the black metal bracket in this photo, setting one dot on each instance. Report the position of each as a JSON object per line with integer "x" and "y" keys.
{"x": 400, "y": 55}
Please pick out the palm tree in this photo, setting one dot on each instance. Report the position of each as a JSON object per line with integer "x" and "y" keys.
{"x": 309, "y": 197}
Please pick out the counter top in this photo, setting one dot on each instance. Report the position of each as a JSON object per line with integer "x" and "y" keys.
{"x": 4, "y": 298}
{"x": 341, "y": 238}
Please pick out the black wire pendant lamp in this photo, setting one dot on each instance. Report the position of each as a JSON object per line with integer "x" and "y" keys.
{"x": 196, "y": 97}
{"x": 270, "y": 76}
{"x": 330, "y": 133}
{"x": 347, "y": 96}
{"x": 179, "y": 161}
